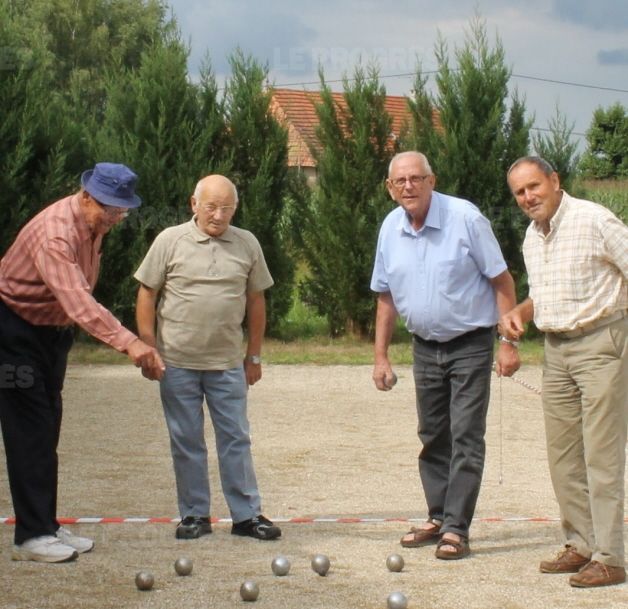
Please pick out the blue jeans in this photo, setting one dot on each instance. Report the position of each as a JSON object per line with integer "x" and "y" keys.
{"x": 182, "y": 394}
{"x": 452, "y": 381}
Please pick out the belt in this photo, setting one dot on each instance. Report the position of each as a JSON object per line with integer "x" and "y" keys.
{"x": 594, "y": 325}
{"x": 477, "y": 332}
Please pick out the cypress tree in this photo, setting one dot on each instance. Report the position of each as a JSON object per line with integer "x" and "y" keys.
{"x": 155, "y": 123}
{"x": 258, "y": 154}
{"x": 607, "y": 137}
{"x": 338, "y": 225}
{"x": 558, "y": 148}
{"x": 477, "y": 137}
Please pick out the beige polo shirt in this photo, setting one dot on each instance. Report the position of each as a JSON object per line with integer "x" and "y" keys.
{"x": 578, "y": 272}
{"x": 203, "y": 282}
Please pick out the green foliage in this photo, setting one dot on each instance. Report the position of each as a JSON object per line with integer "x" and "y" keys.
{"x": 32, "y": 155}
{"x": 337, "y": 226}
{"x": 165, "y": 128}
{"x": 258, "y": 153}
{"x": 54, "y": 64}
{"x": 607, "y": 154}
{"x": 558, "y": 148}
{"x": 477, "y": 137}
{"x": 612, "y": 193}
{"x": 83, "y": 81}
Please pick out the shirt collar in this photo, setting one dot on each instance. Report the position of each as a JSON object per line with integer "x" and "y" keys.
{"x": 432, "y": 220}
{"x": 201, "y": 236}
{"x": 556, "y": 218}
{"x": 82, "y": 228}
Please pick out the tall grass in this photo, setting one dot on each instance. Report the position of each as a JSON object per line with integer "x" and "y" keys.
{"x": 610, "y": 193}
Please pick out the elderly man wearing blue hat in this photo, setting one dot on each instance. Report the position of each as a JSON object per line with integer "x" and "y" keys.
{"x": 47, "y": 277}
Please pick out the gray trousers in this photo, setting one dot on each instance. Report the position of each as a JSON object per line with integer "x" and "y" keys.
{"x": 452, "y": 381}
{"x": 225, "y": 391}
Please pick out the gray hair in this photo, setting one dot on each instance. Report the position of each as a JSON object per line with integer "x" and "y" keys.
{"x": 539, "y": 162}
{"x": 410, "y": 153}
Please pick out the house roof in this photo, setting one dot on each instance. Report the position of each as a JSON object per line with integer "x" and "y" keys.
{"x": 297, "y": 110}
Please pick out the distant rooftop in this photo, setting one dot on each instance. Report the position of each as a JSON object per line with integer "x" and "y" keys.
{"x": 297, "y": 110}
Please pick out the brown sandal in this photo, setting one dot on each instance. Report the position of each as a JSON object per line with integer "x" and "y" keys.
{"x": 461, "y": 549}
{"x": 422, "y": 537}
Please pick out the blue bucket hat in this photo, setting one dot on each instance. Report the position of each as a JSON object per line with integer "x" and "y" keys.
{"x": 111, "y": 184}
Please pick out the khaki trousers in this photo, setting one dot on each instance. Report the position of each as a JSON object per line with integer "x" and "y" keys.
{"x": 585, "y": 403}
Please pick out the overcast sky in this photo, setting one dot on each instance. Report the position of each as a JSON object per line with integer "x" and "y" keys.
{"x": 572, "y": 41}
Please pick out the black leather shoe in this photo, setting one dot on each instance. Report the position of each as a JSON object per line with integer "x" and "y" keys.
{"x": 192, "y": 527}
{"x": 258, "y": 527}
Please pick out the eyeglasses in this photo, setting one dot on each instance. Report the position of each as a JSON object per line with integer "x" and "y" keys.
{"x": 212, "y": 209}
{"x": 414, "y": 180}
{"x": 112, "y": 211}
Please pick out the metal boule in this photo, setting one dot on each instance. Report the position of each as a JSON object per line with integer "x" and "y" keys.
{"x": 183, "y": 566}
{"x": 395, "y": 563}
{"x": 320, "y": 564}
{"x": 393, "y": 381}
{"x": 280, "y": 566}
{"x": 144, "y": 580}
{"x": 397, "y": 600}
{"x": 249, "y": 591}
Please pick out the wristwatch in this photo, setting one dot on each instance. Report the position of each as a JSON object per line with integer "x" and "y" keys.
{"x": 254, "y": 359}
{"x": 513, "y": 343}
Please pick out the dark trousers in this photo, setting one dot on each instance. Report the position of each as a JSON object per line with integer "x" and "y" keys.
{"x": 452, "y": 381}
{"x": 32, "y": 369}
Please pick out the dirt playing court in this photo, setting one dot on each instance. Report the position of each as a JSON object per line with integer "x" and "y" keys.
{"x": 336, "y": 464}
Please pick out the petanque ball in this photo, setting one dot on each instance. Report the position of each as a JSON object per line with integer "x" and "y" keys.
{"x": 280, "y": 566}
{"x": 395, "y": 563}
{"x": 397, "y": 600}
{"x": 320, "y": 564}
{"x": 144, "y": 580}
{"x": 249, "y": 591}
{"x": 183, "y": 566}
{"x": 393, "y": 381}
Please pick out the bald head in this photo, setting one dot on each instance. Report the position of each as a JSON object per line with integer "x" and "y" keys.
{"x": 410, "y": 155}
{"x": 215, "y": 185}
{"x": 214, "y": 202}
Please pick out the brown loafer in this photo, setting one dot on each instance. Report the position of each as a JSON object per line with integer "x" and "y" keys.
{"x": 596, "y": 574}
{"x": 421, "y": 537}
{"x": 566, "y": 561}
{"x": 460, "y": 550}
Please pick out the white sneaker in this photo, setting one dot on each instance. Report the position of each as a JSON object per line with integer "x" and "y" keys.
{"x": 80, "y": 544}
{"x": 46, "y": 548}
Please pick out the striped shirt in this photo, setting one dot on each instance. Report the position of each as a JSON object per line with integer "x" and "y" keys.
{"x": 578, "y": 272}
{"x": 47, "y": 276}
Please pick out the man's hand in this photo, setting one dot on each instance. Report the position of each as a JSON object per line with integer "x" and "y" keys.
{"x": 253, "y": 372}
{"x": 148, "y": 358}
{"x": 507, "y": 361}
{"x": 383, "y": 376}
{"x": 511, "y": 325}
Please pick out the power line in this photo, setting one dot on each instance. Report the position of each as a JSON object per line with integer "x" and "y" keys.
{"x": 571, "y": 84}
{"x": 412, "y": 74}
{"x": 550, "y": 131}
{"x": 523, "y": 76}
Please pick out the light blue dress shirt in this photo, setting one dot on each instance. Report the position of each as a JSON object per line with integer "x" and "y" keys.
{"x": 438, "y": 276}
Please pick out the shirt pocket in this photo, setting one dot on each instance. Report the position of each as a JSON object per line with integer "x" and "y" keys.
{"x": 457, "y": 276}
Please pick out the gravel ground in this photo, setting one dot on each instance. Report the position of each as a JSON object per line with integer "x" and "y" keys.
{"x": 327, "y": 447}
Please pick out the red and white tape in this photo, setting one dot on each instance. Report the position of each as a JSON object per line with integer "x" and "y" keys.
{"x": 294, "y": 520}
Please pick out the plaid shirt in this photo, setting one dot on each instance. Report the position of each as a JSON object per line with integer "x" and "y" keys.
{"x": 577, "y": 272}
{"x": 47, "y": 276}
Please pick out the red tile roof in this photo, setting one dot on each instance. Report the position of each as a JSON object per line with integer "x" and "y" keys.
{"x": 297, "y": 110}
